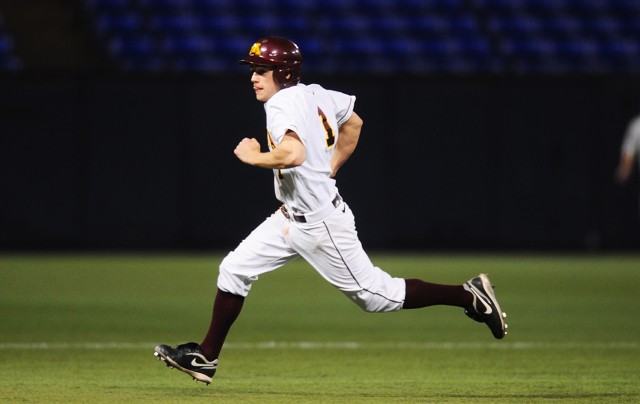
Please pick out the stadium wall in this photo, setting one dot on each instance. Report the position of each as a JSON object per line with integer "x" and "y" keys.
{"x": 127, "y": 162}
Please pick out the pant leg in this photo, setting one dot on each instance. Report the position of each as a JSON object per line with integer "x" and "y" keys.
{"x": 264, "y": 250}
{"x": 332, "y": 247}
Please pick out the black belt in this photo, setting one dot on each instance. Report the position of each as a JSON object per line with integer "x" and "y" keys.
{"x": 301, "y": 218}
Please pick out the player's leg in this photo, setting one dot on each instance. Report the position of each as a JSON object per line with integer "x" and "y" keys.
{"x": 264, "y": 250}
{"x": 420, "y": 294}
{"x": 226, "y": 309}
{"x": 334, "y": 250}
{"x": 476, "y": 296}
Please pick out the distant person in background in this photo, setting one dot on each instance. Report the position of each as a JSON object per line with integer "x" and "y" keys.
{"x": 630, "y": 148}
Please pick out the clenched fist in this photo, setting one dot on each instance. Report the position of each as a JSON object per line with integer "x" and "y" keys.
{"x": 247, "y": 149}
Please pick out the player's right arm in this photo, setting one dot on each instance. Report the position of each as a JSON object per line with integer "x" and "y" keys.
{"x": 630, "y": 146}
{"x": 348, "y": 136}
{"x": 624, "y": 167}
{"x": 289, "y": 153}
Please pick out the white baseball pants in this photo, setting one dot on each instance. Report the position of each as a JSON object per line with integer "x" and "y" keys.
{"x": 331, "y": 246}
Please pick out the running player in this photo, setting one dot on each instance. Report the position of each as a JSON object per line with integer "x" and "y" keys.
{"x": 630, "y": 148}
{"x": 311, "y": 132}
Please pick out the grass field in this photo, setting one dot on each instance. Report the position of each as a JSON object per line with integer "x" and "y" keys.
{"x": 81, "y": 328}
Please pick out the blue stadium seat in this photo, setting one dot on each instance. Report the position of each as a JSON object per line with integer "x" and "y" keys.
{"x": 200, "y": 65}
{"x": 376, "y": 35}
{"x": 138, "y": 48}
{"x": 561, "y": 26}
{"x": 345, "y": 26}
{"x": 263, "y": 23}
{"x": 220, "y": 25}
{"x": 10, "y": 63}
{"x": 428, "y": 25}
{"x": 109, "y": 5}
{"x": 464, "y": 25}
{"x": 6, "y": 45}
{"x": 191, "y": 45}
{"x": 426, "y": 6}
{"x": 115, "y": 24}
{"x": 516, "y": 26}
{"x": 179, "y": 24}
{"x": 166, "y": 6}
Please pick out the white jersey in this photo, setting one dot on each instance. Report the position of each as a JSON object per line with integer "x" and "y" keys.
{"x": 314, "y": 114}
{"x": 631, "y": 142}
{"x": 327, "y": 238}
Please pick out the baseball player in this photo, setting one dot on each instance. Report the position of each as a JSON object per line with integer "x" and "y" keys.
{"x": 630, "y": 147}
{"x": 311, "y": 133}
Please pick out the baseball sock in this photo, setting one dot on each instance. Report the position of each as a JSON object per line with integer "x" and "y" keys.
{"x": 422, "y": 294}
{"x": 226, "y": 309}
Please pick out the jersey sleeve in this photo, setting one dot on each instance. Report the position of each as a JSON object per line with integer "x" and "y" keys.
{"x": 284, "y": 113}
{"x": 631, "y": 143}
{"x": 344, "y": 105}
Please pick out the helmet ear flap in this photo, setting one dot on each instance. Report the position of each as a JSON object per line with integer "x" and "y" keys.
{"x": 287, "y": 76}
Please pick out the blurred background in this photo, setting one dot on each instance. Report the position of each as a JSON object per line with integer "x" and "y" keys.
{"x": 489, "y": 124}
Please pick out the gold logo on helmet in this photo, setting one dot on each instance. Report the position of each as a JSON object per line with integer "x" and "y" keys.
{"x": 255, "y": 49}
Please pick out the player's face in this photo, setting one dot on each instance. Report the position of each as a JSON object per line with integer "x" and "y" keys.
{"x": 263, "y": 83}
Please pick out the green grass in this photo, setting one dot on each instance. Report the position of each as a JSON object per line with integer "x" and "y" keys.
{"x": 81, "y": 328}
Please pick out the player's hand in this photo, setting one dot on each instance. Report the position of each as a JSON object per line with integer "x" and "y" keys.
{"x": 247, "y": 149}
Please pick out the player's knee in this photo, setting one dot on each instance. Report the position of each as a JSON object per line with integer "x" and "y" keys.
{"x": 372, "y": 302}
{"x": 232, "y": 282}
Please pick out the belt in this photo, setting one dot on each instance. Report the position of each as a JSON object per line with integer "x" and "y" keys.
{"x": 313, "y": 216}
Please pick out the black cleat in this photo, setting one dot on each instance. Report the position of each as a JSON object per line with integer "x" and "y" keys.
{"x": 188, "y": 358}
{"x": 485, "y": 307}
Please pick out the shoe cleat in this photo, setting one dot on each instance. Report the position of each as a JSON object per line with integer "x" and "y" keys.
{"x": 190, "y": 359}
{"x": 485, "y": 307}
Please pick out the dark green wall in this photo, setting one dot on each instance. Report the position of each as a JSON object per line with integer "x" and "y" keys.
{"x": 147, "y": 162}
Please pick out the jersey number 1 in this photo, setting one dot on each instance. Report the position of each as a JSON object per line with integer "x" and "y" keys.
{"x": 331, "y": 137}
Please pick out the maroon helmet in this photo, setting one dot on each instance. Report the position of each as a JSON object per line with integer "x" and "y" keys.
{"x": 280, "y": 53}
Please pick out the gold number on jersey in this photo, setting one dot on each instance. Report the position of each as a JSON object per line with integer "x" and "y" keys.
{"x": 331, "y": 137}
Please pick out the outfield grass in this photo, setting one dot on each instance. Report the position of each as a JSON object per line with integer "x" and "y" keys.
{"x": 81, "y": 328}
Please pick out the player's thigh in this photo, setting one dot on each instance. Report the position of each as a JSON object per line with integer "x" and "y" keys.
{"x": 334, "y": 250}
{"x": 264, "y": 250}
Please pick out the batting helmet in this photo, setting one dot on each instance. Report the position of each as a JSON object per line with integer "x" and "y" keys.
{"x": 280, "y": 53}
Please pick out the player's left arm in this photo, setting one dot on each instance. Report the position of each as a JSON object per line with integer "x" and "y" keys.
{"x": 348, "y": 136}
{"x": 625, "y": 166}
{"x": 289, "y": 153}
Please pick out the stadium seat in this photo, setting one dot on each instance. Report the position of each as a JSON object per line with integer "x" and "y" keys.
{"x": 132, "y": 48}
{"x": 377, "y": 35}
{"x": 112, "y": 24}
{"x": 191, "y": 45}
{"x": 180, "y": 24}
{"x": 8, "y": 60}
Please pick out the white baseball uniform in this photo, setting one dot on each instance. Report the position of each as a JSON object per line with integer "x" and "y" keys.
{"x": 631, "y": 142}
{"x": 314, "y": 223}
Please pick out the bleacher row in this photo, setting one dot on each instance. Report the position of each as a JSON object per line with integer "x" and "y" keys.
{"x": 376, "y": 36}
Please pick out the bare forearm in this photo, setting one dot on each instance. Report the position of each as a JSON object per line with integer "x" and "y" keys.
{"x": 289, "y": 153}
{"x": 278, "y": 158}
{"x": 625, "y": 167}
